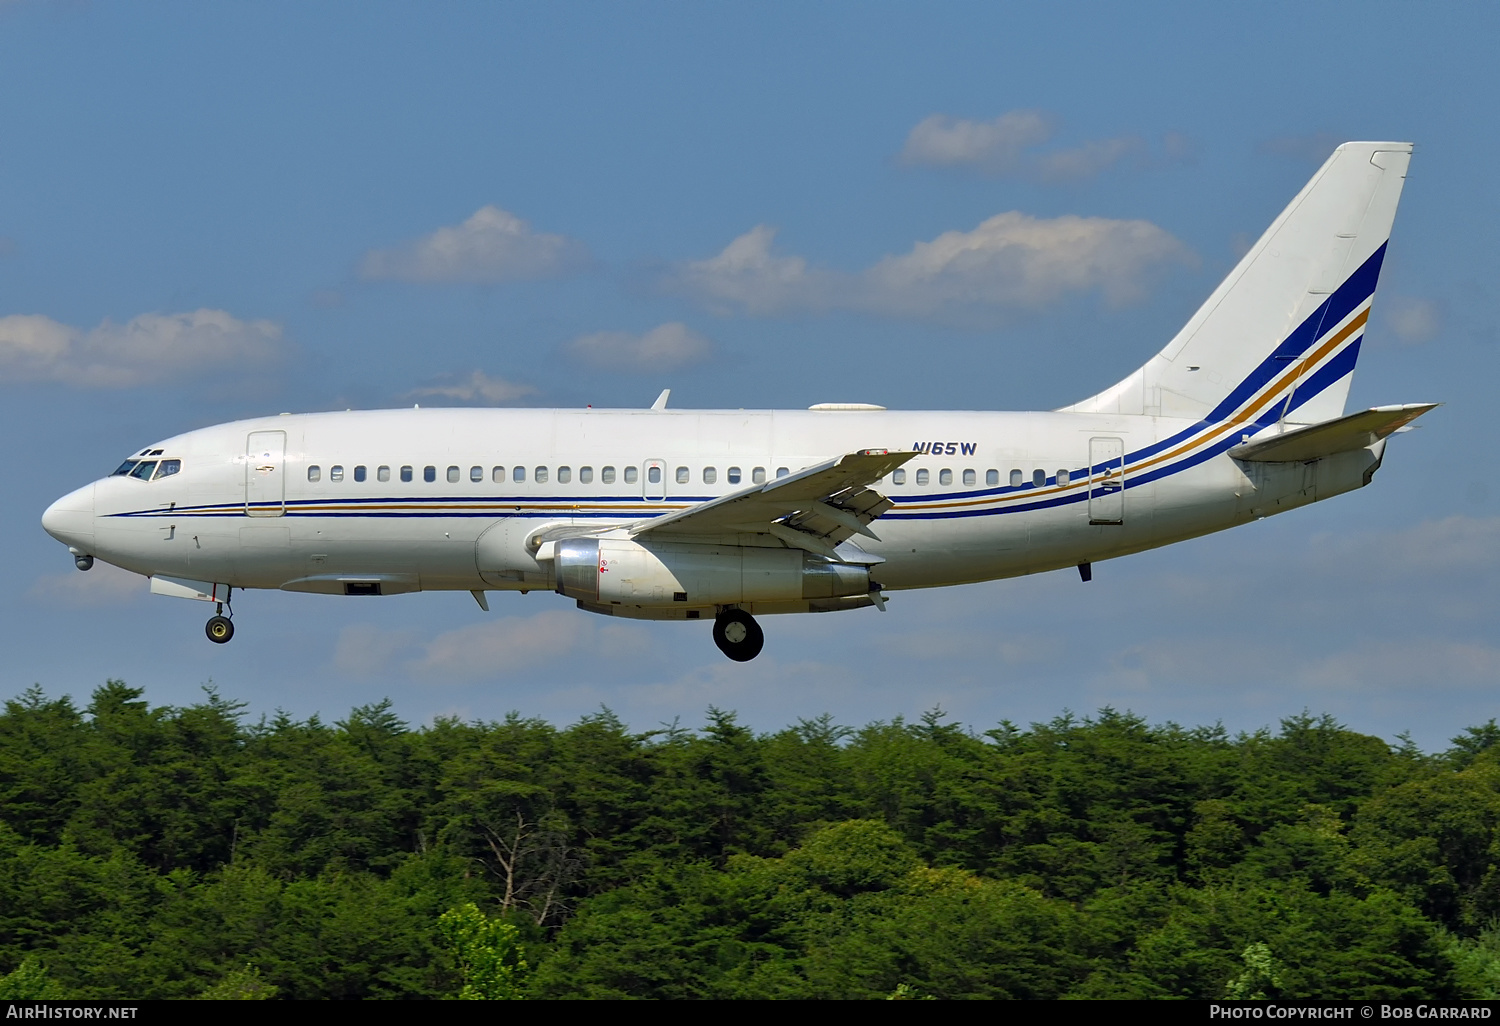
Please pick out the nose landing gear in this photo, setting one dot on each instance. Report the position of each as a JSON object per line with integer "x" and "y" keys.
{"x": 219, "y": 627}
{"x": 738, "y": 635}
{"x": 82, "y": 560}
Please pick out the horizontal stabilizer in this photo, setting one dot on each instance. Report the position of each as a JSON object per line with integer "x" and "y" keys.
{"x": 1356, "y": 431}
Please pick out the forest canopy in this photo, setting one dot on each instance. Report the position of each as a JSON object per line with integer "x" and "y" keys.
{"x": 163, "y": 852}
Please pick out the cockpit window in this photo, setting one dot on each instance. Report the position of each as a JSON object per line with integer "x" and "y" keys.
{"x": 144, "y": 470}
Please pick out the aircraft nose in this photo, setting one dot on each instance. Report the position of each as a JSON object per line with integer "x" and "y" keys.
{"x": 71, "y": 519}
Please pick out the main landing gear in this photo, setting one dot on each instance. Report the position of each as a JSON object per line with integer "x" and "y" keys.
{"x": 219, "y": 627}
{"x": 738, "y": 635}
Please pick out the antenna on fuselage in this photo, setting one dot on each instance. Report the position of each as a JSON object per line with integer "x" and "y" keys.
{"x": 661, "y": 400}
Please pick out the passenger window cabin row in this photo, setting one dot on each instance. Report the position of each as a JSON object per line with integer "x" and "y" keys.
{"x": 543, "y": 475}
{"x": 155, "y": 470}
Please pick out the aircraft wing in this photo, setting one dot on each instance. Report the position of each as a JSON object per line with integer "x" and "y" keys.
{"x": 813, "y": 509}
{"x": 1356, "y": 431}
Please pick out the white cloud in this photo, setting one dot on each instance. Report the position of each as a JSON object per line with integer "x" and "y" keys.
{"x": 1014, "y": 259}
{"x": 1166, "y": 659}
{"x": 1314, "y": 147}
{"x": 104, "y": 585}
{"x": 996, "y": 146}
{"x": 498, "y": 648}
{"x": 478, "y": 387}
{"x": 1454, "y": 545}
{"x": 747, "y": 275}
{"x": 1006, "y": 147}
{"x": 1412, "y": 321}
{"x": 927, "y": 643}
{"x": 1178, "y": 148}
{"x": 365, "y": 650}
{"x": 1398, "y": 665}
{"x": 147, "y": 349}
{"x": 491, "y": 246}
{"x": 1011, "y": 261}
{"x": 1086, "y": 161}
{"x": 765, "y": 685}
{"x": 1345, "y": 614}
{"x": 1371, "y": 667}
{"x": 662, "y": 348}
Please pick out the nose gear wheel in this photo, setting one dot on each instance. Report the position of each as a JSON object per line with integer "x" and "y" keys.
{"x": 220, "y": 628}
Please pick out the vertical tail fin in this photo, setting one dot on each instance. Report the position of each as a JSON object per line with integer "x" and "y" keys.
{"x": 1285, "y": 326}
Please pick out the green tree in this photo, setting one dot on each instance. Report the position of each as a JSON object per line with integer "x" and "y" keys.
{"x": 1434, "y": 840}
{"x": 852, "y": 914}
{"x": 242, "y": 984}
{"x": 490, "y": 958}
{"x": 1262, "y": 973}
{"x": 29, "y": 982}
{"x": 1476, "y": 962}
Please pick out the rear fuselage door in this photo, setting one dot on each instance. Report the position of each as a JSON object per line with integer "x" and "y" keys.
{"x": 265, "y": 474}
{"x": 1106, "y": 480}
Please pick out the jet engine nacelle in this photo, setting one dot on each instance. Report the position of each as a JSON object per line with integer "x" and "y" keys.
{"x": 605, "y": 570}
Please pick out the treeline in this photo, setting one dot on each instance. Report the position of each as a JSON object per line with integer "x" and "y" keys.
{"x": 184, "y": 852}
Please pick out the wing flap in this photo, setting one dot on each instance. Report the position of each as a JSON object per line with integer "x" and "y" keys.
{"x": 1356, "y": 431}
{"x": 828, "y": 503}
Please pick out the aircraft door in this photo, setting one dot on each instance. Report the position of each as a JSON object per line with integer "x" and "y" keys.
{"x": 654, "y": 479}
{"x": 1106, "y": 481}
{"x": 265, "y": 474}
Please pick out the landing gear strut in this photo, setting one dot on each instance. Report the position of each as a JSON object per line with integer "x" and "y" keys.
{"x": 219, "y": 628}
{"x": 738, "y": 635}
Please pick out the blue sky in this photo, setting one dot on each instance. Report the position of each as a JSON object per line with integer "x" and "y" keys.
{"x": 217, "y": 211}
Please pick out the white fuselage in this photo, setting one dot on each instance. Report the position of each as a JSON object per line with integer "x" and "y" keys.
{"x": 723, "y": 514}
{"x": 985, "y": 499}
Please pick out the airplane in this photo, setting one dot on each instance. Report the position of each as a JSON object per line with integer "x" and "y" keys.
{"x": 727, "y": 515}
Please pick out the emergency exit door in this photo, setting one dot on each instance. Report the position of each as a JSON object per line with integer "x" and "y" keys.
{"x": 654, "y": 480}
